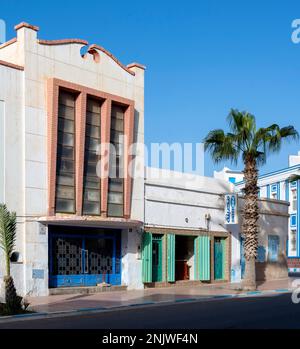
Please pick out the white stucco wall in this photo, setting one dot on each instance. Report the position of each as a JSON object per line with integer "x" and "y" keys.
{"x": 12, "y": 160}
{"x": 294, "y": 159}
{"x": 273, "y": 220}
{"x": 182, "y": 200}
{"x": 131, "y": 259}
{"x": 24, "y": 95}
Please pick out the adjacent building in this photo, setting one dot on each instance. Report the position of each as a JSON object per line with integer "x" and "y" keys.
{"x": 187, "y": 237}
{"x": 281, "y": 184}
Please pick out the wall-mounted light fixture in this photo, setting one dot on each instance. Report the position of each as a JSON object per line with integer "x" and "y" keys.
{"x": 207, "y": 220}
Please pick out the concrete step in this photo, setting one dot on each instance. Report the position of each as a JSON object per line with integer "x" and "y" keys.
{"x": 85, "y": 290}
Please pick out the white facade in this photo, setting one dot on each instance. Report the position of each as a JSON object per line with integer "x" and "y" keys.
{"x": 177, "y": 201}
{"x": 294, "y": 160}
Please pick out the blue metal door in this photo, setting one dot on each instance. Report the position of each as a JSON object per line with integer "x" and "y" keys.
{"x": 100, "y": 262}
{"x": 84, "y": 260}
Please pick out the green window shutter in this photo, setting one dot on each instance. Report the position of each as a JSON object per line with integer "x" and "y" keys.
{"x": 202, "y": 258}
{"x": 147, "y": 257}
{"x": 224, "y": 255}
{"x": 171, "y": 257}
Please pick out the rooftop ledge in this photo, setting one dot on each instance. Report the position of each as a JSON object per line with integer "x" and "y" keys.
{"x": 137, "y": 65}
{"x": 63, "y": 42}
{"x": 98, "y": 221}
{"x": 26, "y": 25}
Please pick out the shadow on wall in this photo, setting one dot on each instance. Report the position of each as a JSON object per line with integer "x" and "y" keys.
{"x": 272, "y": 270}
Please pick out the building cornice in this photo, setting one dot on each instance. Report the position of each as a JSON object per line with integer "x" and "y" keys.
{"x": 99, "y": 48}
{"x": 27, "y": 25}
{"x": 89, "y": 220}
{"x": 62, "y": 42}
{"x": 274, "y": 173}
{"x": 11, "y": 65}
{"x": 136, "y": 65}
{"x": 7, "y": 43}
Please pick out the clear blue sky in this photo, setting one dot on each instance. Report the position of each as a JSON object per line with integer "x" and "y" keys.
{"x": 202, "y": 57}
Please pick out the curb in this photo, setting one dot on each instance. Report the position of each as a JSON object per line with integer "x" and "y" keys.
{"x": 86, "y": 311}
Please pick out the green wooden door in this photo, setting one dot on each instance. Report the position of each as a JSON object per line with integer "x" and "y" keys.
{"x": 147, "y": 257}
{"x": 171, "y": 257}
{"x": 156, "y": 258}
{"x": 202, "y": 258}
{"x": 219, "y": 258}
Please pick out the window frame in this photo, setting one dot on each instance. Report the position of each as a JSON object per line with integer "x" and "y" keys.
{"x": 81, "y": 91}
{"x": 293, "y": 231}
{"x": 270, "y": 257}
{"x": 84, "y": 177}
{"x": 118, "y": 156}
{"x": 61, "y": 145}
{"x": 293, "y": 221}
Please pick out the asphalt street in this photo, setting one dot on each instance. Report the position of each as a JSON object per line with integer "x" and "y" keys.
{"x": 265, "y": 312}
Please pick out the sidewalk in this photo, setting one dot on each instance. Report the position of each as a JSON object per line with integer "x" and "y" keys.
{"x": 117, "y": 299}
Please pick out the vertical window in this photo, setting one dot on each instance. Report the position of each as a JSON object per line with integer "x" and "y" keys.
{"x": 294, "y": 200}
{"x": 91, "y": 181}
{"x": 293, "y": 241}
{"x": 232, "y": 180}
{"x": 293, "y": 220}
{"x": 273, "y": 248}
{"x": 65, "y": 163}
{"x": 274, "y": 191}
{"x": 294, "y": 184}
{"x": 116, "y": 173}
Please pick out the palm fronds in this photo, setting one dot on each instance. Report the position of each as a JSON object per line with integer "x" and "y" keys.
{"x": 8, "y": 222}
{"x": 245, "y": 140}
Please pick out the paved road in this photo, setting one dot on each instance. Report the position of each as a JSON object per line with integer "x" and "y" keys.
{"x": 244, "y": 313}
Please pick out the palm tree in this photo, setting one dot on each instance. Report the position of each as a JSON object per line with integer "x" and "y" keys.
{"x": 293, "y": 178}
{"x": 7, "y": 244}
{"x": 253, "y": 145}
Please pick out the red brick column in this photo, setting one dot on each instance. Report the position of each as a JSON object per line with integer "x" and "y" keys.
{"x": 128, "y": 131}
{"x": 80, "y": 121}
{"x": 105, "y": 139}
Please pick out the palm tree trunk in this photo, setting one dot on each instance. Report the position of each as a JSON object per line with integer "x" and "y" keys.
{"x": 7, "y": 265}
{"x": 250, "y": 218}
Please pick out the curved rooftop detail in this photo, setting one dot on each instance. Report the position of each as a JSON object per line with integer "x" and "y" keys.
{"x": 102, "y": 49}
{"x": 63, "y": 42}
{"x": 92, "y": 49}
